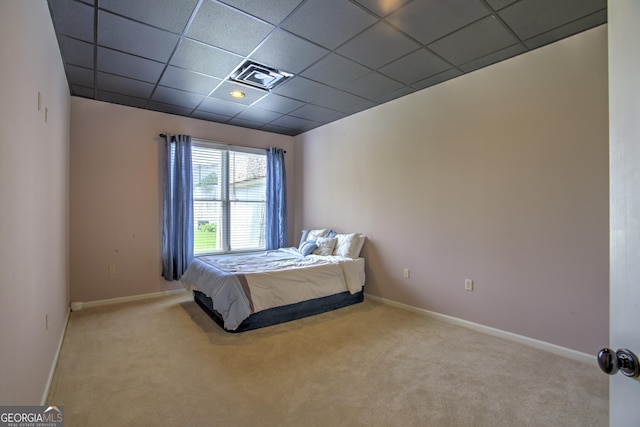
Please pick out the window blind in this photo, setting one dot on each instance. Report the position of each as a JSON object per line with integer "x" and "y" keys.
{"x": 229, "y": 198}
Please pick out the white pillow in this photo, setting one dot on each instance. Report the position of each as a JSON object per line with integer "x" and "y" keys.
{"x": 325, "y": 246}
{"x": 349, "y": 245}
{"x": 316, "y": 234}
{"x": 346, "y": 244}
{"x": 358, "y": 246}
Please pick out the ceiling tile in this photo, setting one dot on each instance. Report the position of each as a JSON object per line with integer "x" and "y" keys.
{"x": 342, "y": 101}
{"x": 224, "y": 27}
{"x": 328, "y": 22}
{"x": 205, "y": 59}
{"x": 428, "y": 20}
{"x": 382, "y": 8}
{"x": 167, "y": 108}
{"x": 302, "y": 89}
{"x": 278, "y": 129}
{"x": 258, "y": 115}
{"x": 135, "y": 38}
{"x": 349, "y": 55}
{"x": 76, "y": 52}
{"x": 121, "y": 99}
{"x": 79, "y": 76}
{"x": 570, "y": 29}
{"x": 336, "y": 115}
{"x": 237, "y": 121}
{"x": 438, "y": 78}
{"x": 126, "y": 65}
{"x": 180, "y": 98}
{"x": 219, "y": 106}
{"x": 82, "y": 91}
{"x": 312, "y": 112}
{"x": 529, "y": 18}
{"x": 73, "y": 19}
{"x": 123, "y": 85}
{"x": 155, "y": 15}
{"x": 378, "y": 45}
{"x": 272, "y": 11}
{"x": 499, "y": 4}
{"x": 492, "y": 58}
{"x": 296, "y": 123}
{"x": 287, "y": 52}
{"x": 474, "y": 41}
{"x": 182, "y": 79}
{"x": 279, "y": 104}
{"x": 404, "y": 90}
{"x": 213, "y": 117}
{"x": 335, "y": 70}
{"x": 372, "y": 86}
{"x": 415, "y": 66}
{"x": 251, "y": 95}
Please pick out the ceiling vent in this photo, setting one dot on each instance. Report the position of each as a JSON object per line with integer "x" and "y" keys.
{"x": 258, "y": 75}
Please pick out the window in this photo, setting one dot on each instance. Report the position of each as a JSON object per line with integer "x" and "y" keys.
{"x": 229, "y": 198}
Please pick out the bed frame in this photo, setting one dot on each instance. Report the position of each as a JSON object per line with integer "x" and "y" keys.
{"x": 285, "y": 313}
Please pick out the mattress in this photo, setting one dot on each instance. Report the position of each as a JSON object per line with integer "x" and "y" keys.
{"x": 240, "y": 286}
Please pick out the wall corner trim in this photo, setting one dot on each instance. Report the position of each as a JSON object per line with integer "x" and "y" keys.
{"x": 54, "y": 364}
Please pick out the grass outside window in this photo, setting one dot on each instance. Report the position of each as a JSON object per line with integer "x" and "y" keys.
{"x": 204, "y": 241}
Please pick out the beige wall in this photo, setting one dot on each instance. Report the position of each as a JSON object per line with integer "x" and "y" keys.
{"x": 500, "y": 176}
{"x": 34, "y": 201}
{"x": 115, "y": 198}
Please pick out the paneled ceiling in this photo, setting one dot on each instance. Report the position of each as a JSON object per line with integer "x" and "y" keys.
{"x": 345, "y": 56}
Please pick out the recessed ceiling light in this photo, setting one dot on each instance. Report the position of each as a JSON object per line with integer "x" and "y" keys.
{"x": 237, "y": 94}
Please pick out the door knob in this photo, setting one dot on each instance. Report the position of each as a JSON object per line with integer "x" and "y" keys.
{"x": 622, "y": 360}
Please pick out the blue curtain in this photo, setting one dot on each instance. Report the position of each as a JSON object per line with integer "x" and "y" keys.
{"x": 276, "y": 232}
{"x": 177, "y": 231}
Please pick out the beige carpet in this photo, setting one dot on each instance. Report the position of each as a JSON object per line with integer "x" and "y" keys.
{"x": 163, "y": 362}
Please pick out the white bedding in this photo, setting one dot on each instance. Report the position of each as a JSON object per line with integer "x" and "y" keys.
{"x": 274, "y": 278}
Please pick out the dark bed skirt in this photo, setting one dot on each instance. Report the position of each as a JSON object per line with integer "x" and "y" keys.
{"x": 286, "y": 313}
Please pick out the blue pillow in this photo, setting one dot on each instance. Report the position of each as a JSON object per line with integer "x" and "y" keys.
{"x": 307, "y": 247}
{"x": 303, "y": 239}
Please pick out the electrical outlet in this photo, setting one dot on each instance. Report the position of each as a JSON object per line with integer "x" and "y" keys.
{"x": 112, "y": 269}
{"x": 468, "y": 284}
{"x": 406, "y": 273}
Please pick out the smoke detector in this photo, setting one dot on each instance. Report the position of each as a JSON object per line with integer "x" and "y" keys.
{"x": 258, "y": 75}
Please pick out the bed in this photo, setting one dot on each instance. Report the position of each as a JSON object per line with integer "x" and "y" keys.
{"x": 247, "y": 291}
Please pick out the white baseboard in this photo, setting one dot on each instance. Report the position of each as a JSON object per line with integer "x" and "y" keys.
{"x": 119, "y": 300}
{"x": 542, "y": 345}
{"x": 55, "y": 361}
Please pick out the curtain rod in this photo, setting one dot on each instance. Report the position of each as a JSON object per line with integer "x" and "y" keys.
{"x": 162, "y": 135}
